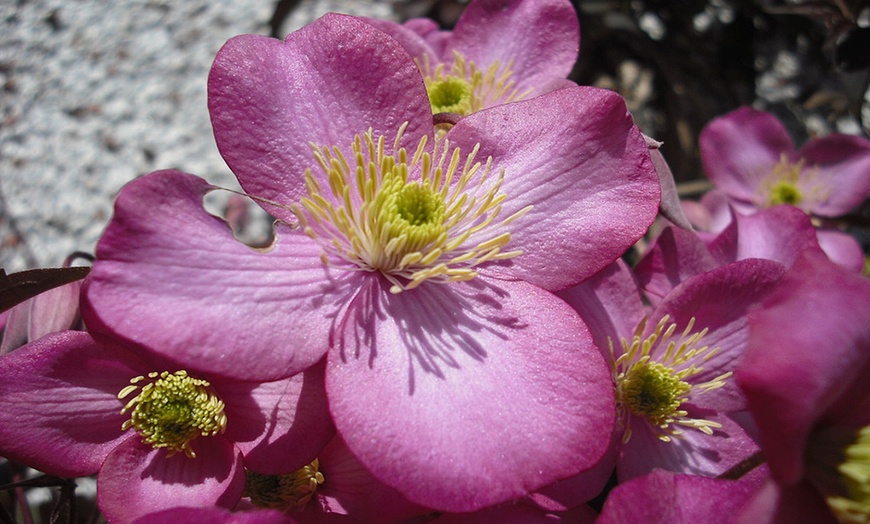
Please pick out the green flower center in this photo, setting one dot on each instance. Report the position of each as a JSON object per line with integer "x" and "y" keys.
{"x": 784, "y": 193}
{"x": 450, "y": 95}
{"x": 172, "y": 409}
{"x": 466, "y": 88}
{"x": 838, "y": 462}
{"x": 790, "y": 183}
{"x": 656, "y": 389}
{"x": 436, "y": 227}
{"x": 283, "y": 492}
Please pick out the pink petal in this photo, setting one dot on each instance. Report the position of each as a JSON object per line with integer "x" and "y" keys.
{"x": 540, "y": 39}
{"x": 137, "y": 479}
{"x": 720, "y": 301}
{"x": 663, "y": 497}
{"x": 187, "y": 515}
{"x": 59, "y": 405}
{"x": 409, "y": 36}
{"x": 466, "y": 395}
{"x": 737, "y": 149}
{"x": 172, "y": 277}
{"x": 774, "y": 504}
{"x": 577, "y": 157}
{"x": 842, "y": 163}
{"x": 841, "y": 248}
{"x": 675, "y": 255}
{"x": 516, "y": 514}
{"x": 333, "y": 79}
{"x": 55, "y": 310}
{"x": 350, "y": 489}
{"x": 609, "y": 303}
{"x": 279, "y": 426}
{"x": 789, "y": 383}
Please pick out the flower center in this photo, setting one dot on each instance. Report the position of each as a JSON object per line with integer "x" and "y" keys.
{"x": 438, "y": 226}
{"x": 783, "y": 184}
{"x": 283, "y": 492}
{"x": 172, "y": 409}
{"x": 656, "y": 389}
{"x": 466, "y": 88}
{"x": 838, "y": 460}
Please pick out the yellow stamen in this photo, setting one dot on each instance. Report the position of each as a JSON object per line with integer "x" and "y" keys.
{"x": 172, "y": 409}
{"x": 290, "y": 491}
{"x": 434, "y": 227}
{"x": 838, "y": 463}
{"x": 790, "y": 183}
{"x": 656, "y": 389}
{"x": 466, "y": 88}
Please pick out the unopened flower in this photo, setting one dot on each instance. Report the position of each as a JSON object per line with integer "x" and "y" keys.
{"x": 498, "y": 52}
{"x": 159, "y": 436}
{"x": 422, "y": 270}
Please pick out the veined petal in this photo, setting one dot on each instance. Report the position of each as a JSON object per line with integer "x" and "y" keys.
{"x": 471, "y": 394}
{"x": 737, "y": 149}
{"x": 172, "y": 277}
{"x": 137, "y": 479}
{"x": 540, "y": 39}
{"x": 279, "y": 426}
{"x": 333, "y": 79}
{"x": 720, "y": 300}
{"x": 58, "y": 402}
{"x": 577, "y": 157}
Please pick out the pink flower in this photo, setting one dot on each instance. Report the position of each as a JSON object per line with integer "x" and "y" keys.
{"x": 805, "y": 375}
{"x": 75, "y": 404}
{"x": 500, "y": 51}
{"x": 749, "y": 156}
{"x": 422, "y": 270}
{"x": 672, "y": 367}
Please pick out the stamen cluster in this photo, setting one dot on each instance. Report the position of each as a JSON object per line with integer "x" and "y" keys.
{"x": 283, "y": 492}
{"x": 172, "y": 409}
{"x": 437, "y": 226}
{"x": 656, "y": 389}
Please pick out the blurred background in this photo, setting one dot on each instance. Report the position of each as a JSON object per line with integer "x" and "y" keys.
{"x": 95, "y": 93}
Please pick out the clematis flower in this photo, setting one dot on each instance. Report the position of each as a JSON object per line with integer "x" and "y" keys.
{"x": 74, "y": 404}
{"x": 215, "y": 515}
{"x": 499, "y": 51}
{"x": 805, "y": 378}
{"x": 672, "y": 367}
{"x": 422, "y": 270}
{"x": 663, "y": 496}
{"x": 751, "y": 158}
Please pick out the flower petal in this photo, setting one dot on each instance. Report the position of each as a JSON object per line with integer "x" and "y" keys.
{"x": 172, "y": 277}
{"x": 279, "y": 426}
{"x": 788, "y": 381}
{"x": 539, "y": 39}
{"x": 137, "y": 479}
{"x": 843, "y": 162}
{"x": 737, "y": 149}
{"x": 188, "y": 515}
{"x": 578, "y": 158}
{"x": 59, "y": 404}
{"x": 333, "y": 79}
{"x": 465, "y": 395}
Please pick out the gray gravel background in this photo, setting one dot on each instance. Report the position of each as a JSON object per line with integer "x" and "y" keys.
{"x": 95, "y": 93}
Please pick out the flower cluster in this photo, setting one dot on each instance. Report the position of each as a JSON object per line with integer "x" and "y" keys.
{"x": 444, "y": 327}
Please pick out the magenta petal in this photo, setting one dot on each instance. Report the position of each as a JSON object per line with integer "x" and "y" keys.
{"x": 841, "y": 248}
{"x": 662, "y": 497}
{"x": 788, "y": 381}
{"x": 577, "y": 157}
{"x": 412, "y": 36}
{"x": 842, "y": 163}
{"x": 737, "y": 149}
{"x": 59, "y": 405}
{"x": 471, "y": 394}
{"x": 215, "y": 515}
{"x": 172, "y": 277}
{"x": 540, "y": 39}
{"x": 279, "y": 426}
{"x": 675, "y": 256}
{"x": 775, "y": 504}
{"x": 720, "y": 301}
{"x": 137, "y": 479}
{"x": 333, "y": 79}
